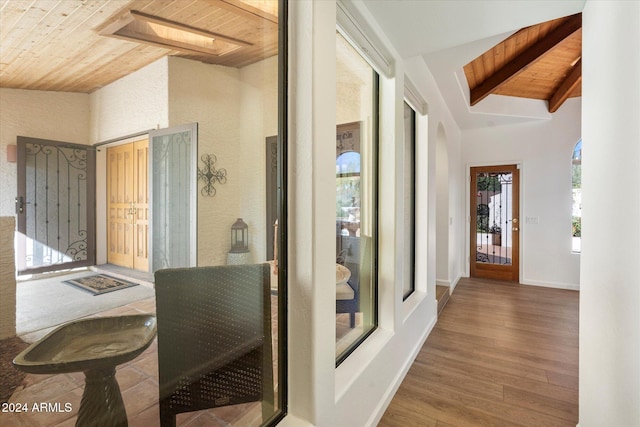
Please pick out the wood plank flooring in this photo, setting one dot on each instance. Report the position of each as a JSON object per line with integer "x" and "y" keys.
{"x": 500, "y": 355}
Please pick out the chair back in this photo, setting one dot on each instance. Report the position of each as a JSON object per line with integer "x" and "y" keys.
{"x": 209, "y": 317}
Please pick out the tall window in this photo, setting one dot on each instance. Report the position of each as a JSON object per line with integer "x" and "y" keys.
{"x": 576, "y": 190}
{"x": 356, "y": 199}
{"x": 409, "y": 200}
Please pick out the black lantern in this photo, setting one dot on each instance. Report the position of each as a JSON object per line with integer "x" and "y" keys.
{"x": 239, "y": 237}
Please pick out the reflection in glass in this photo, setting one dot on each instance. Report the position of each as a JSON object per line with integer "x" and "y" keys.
{"x": 219, "y": 324}
{"x": 356, "y": 199}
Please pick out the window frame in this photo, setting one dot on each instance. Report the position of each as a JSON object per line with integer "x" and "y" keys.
{"x": 375, "y": 150}
{"x": 412, "y": 223}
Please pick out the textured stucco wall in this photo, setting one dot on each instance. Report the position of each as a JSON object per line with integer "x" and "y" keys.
{"x": 56, "y": 116}
{"x": 7, "y": 278}
{"x": 235, "y": 110}
{"x": 135, "y": 103}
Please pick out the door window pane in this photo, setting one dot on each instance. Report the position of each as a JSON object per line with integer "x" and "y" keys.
{"x": 356, "y": 199}
{"x": 494, "y": 191}
{"x": 576, "y": 193}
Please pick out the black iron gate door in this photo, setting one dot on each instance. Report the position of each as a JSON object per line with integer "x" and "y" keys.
{"x": 55, "y": 205}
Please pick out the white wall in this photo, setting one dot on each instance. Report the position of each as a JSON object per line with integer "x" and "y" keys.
{"x": 610, "y": 270}
{"x": 259, "y": 116}
{"x": 135, "y": 103}
{"x": 442, "y": 209}
{"x": 544, "y": 150}
{"x": 357, "y": 392}
{"x": 55, "y": 116}
{"x": 443, "y": 128}
{"x": 210, "y": 95}
{"x": 236, "y": 109}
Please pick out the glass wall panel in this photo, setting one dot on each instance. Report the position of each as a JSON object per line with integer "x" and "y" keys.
{"x": 220, "y": 320}
{"x": 356, "y": 199}
{"x": 409, "y": 200}
{"x": 205, "y": 343}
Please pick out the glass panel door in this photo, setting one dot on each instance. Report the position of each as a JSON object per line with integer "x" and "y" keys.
{"x": 173, "y": 194}
{"x": 494, "y": 222}
{"x": 55, "y": 205}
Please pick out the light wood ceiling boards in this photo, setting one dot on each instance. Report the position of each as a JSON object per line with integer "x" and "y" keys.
{"x": 55, "y": 45}
{"x": 540, "y": 62}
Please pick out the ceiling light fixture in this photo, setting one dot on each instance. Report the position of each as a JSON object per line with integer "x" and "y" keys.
{"x": 143, "y": 28}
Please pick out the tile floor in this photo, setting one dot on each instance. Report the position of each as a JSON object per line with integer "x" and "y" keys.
{"x": 138, "y": 382}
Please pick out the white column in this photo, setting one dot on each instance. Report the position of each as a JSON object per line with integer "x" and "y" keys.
{"x": 610, "y": 264}
{"x": 311, "y": 212}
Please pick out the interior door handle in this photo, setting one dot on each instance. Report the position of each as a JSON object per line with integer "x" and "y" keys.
{"x": 20, "y": 204}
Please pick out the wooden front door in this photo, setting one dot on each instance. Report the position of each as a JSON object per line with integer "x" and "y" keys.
{"x": 128, "y": 205}
{"x": 495, "y": 226}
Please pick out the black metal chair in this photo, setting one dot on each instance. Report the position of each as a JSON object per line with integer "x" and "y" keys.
{"x": 214, "y": 338}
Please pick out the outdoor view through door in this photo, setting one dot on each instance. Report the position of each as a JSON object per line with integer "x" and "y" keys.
{"x": 495, "y": 224}
{"x": 55, "y": 205}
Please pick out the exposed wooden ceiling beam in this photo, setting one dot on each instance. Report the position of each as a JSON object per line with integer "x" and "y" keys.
{"x": 566, "y": 87}
{"x": 525, "y": 59}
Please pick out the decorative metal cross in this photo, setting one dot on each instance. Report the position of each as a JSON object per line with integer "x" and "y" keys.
{"x": 209, "y": 174}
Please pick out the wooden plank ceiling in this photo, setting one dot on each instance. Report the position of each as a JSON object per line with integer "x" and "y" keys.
{"x": 57, "y": 46}
{"x": 540, "y": 62}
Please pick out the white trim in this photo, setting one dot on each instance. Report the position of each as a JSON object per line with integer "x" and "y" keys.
{"x": 349, "y": 27}
{"x": 397, "y": 381}
{"x": 520, "y": 165}
{"x": 357, "y": 363}
{"x": 411, "y": 304}
{"x": 539, "y": 283}
{"x": 413, "y": 98}
{"x": 450, "y": 284}
{"x": 455, "y": 282}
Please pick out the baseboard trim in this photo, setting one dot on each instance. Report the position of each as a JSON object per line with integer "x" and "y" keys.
{"x": 443, "y": 283}
{"x": 455, "y": 282}
{"x": 449, "y": 284}
{"x": 395, "y": 384}
{"x": 566, "y": 286}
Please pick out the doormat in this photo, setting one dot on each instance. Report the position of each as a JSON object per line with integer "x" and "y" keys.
{"x": 100, "y": 284}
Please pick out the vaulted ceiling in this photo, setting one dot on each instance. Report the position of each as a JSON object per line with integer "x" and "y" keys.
{"x": 541, "y": 61}
{"x": 83, "y": 45}
{"x": 436, "y": 39}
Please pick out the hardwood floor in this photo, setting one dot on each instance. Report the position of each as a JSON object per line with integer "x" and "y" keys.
{"x": 500, "y": 355}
